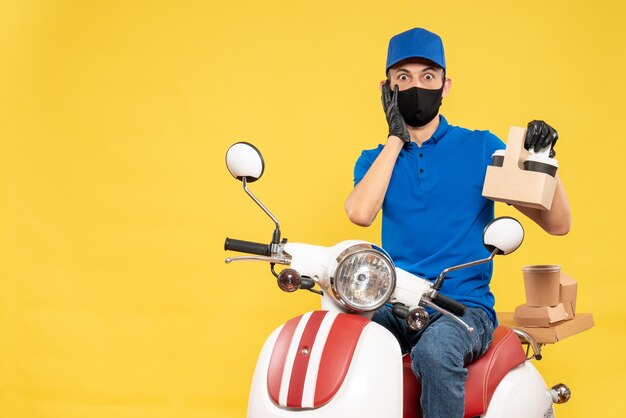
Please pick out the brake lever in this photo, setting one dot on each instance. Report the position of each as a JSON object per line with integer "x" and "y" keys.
{"x": 278, "y": 260}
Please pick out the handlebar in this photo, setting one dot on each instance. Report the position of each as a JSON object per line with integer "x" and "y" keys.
{"x": 448, "y": 304}
{"x": 247, "y": 247}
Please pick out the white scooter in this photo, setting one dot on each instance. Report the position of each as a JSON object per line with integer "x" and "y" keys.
{"x": 335, "y": 362}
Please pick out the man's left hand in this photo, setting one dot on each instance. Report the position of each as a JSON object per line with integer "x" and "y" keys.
{"x": 540, "y": 135}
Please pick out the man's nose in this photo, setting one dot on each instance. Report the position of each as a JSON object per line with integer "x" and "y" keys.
{"x": 406, "y": 86}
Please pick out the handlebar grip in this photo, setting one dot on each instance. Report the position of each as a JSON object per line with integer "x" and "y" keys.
{"x": 247, "y": 247}
{"x": 448, "y": 304}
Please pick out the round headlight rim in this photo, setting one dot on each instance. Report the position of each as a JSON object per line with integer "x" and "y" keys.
{"x": 350, "y": 251}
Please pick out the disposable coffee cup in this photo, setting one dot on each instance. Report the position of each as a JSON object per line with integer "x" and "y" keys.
{"x": 541, "y": 283}
{"x": 497, "y": 158}
{"x": 541, "y": 162}
{"x": 542, "y": 165}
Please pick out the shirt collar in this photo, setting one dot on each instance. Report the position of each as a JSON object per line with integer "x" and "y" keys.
{"x": 439, "y": 132}
{"x": 441, "y": 129}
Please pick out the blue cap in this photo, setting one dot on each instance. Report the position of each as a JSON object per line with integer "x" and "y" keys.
{"x": 416, "y": 43}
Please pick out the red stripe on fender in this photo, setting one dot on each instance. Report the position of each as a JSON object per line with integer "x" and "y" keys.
{"x": 337, "y": 356}
{"x": 279, "y": 355}
{"x": 301, "y": 362}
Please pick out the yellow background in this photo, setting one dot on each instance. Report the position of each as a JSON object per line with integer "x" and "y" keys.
{"x": 115, "y": 117}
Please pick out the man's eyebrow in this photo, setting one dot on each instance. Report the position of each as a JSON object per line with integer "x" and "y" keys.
{"x": 423, "y": 70}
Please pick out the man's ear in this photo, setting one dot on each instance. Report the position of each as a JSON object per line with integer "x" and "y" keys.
{"x": 447, "y": 85}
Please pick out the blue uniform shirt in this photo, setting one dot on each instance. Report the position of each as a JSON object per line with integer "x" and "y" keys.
{"x": 434, "y": 213}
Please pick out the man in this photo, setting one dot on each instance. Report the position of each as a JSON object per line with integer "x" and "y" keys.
{"x": 428, "y": 179}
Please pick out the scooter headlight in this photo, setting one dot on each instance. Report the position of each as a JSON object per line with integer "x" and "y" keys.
{"x": 364, "y": 278}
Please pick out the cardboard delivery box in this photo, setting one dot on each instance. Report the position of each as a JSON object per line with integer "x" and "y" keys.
{"x": 568, "y": 288}
{"x": 548, "y": 335}
{"x": 540, "y": 316}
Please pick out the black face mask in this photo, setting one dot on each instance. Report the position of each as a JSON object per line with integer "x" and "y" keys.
{"x": 419, "y": 106}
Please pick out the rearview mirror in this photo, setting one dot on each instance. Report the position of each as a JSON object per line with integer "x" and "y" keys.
{"x": 244, "y": 160}
{"x": 501, "y": 236}
{"x": 504, "y": 234}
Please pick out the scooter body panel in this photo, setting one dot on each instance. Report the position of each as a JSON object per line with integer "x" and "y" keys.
{"x": 521, "y": 394}
{"x": 376, "y": 361}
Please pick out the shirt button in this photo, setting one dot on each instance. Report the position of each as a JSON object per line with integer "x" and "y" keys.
{"x": 421, "y": 170}
{"x": 421, "y": 155}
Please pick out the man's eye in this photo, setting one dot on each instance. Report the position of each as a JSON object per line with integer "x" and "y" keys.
{"x": 429, "y": 77}
{"x": 403, "y": 77}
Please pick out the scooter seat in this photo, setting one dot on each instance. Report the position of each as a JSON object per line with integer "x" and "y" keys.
{"x": 484, "y": 375}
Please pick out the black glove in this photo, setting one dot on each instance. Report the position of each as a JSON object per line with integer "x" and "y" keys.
{"x": 397, "y": 127}
{"x": 540, "y": 135}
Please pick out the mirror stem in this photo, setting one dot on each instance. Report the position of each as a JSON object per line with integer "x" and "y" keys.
{"x": 276, "y": 236}
{"x": 439, "y": 281}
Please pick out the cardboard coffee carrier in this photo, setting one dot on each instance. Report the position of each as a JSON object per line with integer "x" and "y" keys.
{"x": 516, "y": 179}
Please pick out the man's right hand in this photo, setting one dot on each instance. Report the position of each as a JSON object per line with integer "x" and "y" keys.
{"x": 397, "y": 127}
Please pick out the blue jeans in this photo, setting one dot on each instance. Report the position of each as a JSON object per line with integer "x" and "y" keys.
{"x": 439, "y": 354}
